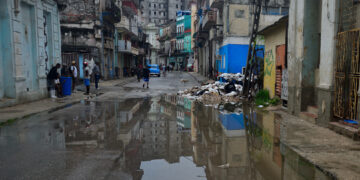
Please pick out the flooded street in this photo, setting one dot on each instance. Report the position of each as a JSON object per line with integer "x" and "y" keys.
{"x": 162, "y": 137}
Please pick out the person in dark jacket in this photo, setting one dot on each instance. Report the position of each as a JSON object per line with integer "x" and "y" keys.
{"x": 54, "y": 82}
{"x": 146, "y": 76}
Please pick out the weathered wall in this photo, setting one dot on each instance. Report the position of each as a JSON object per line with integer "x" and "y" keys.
{"x": 7, "y": 80}
{"x": 303, "y": 53}
{"x": 273, "y": 38}
{"x": 236, "y": 20}
{"x": 78, "y": 11}
{"x": 34, "y": 46}
{"x": 295, "y": 54}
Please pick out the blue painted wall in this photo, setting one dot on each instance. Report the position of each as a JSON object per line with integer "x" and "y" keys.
{"x": 233, "y": 57}
{"x": 7, "y": 83}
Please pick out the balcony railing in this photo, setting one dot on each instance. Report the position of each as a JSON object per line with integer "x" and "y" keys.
{"x": 209, "y": 20}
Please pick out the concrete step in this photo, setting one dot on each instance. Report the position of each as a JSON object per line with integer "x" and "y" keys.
{"x": 310, "y": 117}
{"x": 348, "y": 131}
{"x": 313, "y": 110}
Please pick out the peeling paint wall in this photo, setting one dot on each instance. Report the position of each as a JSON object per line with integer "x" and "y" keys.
{"x": 31, "y": 47}
{"x": 303, "y": 53}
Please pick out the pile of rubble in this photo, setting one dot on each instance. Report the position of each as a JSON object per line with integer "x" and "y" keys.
{"x": 217, "y": 92}
{"x": 238, "y": 77}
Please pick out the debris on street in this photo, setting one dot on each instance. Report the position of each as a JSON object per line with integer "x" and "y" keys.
{"x": 216, "y": 92}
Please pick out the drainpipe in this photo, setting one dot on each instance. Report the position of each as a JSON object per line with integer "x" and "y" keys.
{"x": 102, "y": 43}
{"x": 115, "y": 52}
{"x": 227, "y": 18}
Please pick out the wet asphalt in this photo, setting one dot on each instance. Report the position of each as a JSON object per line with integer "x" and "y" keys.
{"x": 135, "y": 133}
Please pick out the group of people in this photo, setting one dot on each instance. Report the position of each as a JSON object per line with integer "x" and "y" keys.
{"x": 54, "y": 83}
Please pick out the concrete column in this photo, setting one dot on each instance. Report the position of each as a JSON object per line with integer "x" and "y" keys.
{"x": 329, "y": 21}
{"x": 328, "y": 43}
{"x": 295, "y": 54}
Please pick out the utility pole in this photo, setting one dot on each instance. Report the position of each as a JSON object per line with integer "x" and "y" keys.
{"x": 248, "y": 79}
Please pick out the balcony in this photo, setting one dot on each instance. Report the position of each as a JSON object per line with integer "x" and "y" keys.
{"x": 111, "y": 13}
{"x": 216, "y": 3}
{"x": 124, "y": 46}
{"x": 129, "y": 7}
{"x": 135, "y": 50}
{"x": 209, "y": 20}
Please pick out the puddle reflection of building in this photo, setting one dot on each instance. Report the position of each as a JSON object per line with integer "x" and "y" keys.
{"x": 220, "y": 144}
{"x": 163, "y": 138}
{"x": 113, "y": 126}
{"x": 263, "y": 144}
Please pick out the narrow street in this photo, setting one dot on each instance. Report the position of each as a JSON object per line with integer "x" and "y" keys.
{"x": 134, "y": 133}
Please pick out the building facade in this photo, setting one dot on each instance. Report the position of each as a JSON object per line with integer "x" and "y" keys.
{"x": 151, "y": 31}
{"x": 160, "y": 11}
{"x": 223, "y": 33}
{"x": 183, "y": 53}
{"x": 29, "y": 47}
{"x": 88, "y": 31}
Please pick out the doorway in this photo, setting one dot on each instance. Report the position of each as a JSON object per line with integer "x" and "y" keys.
{"x": 28, "y": 46}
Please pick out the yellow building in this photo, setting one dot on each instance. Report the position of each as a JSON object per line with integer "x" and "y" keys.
{"x": 275, "y": 63}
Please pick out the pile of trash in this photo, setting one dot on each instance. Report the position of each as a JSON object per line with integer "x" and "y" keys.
{"x": 217, "y": 92}
{"x": 238, "y": 77}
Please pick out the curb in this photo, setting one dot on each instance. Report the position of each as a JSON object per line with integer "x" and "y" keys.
{"x": 13, "y": 120}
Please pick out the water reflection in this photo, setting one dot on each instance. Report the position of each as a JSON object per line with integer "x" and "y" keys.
{"x": 156, "y": 138}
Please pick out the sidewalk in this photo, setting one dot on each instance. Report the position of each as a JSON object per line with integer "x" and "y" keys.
{"x": 332, "y": 153}
{"x": 10, "y": 114}
{"x": 198, "y": 77}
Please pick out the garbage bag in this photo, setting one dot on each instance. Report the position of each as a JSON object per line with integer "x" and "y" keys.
{"x": 230, "y": 87}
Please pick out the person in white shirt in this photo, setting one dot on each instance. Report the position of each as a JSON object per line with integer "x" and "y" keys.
{"x": 74, "y": 72}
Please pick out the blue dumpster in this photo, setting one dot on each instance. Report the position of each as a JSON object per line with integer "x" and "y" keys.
{"x": 66, "y": 85}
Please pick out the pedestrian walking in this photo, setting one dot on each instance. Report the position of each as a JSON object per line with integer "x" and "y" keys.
{"x": 138, "y": 73}
{"x": 74, "y": 71}
{"x": 53, "y": 81}
{"x": 96, "y": 71}
{"x": 146, "y": 76}
{"x": 87, "y": 78}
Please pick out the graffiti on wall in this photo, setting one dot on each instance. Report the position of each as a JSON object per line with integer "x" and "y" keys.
{"x": 269, "y": 63}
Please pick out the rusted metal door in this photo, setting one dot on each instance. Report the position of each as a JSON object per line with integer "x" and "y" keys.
{"x": 280, "y": 65}
{"x": 347, "y": 74}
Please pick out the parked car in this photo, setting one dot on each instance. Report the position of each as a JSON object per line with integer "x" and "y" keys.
{"x": 154, "y": 70}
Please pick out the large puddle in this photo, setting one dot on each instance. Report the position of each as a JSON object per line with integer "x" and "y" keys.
{"x": 156, "y": 138}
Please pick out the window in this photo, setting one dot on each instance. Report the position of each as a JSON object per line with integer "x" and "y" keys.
{"x": 240, "y": 13}
{"x": 149, "y": 12}
{"x": 154, "y": 12}
{"x": 177, "y": 6}
{"x": 149, "y": 4}
{"x": 164, "y": 13}
{"x": 154, "y": 5}
{"x": 142, "y": 12}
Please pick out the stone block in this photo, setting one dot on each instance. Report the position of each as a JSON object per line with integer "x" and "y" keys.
{"x": 18, "y": 50}
{"x": 17, "y": 38}
{"x": 18, "y": 60}
{"x": 325, "y": 105}
{"x": 17, "y": 26}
